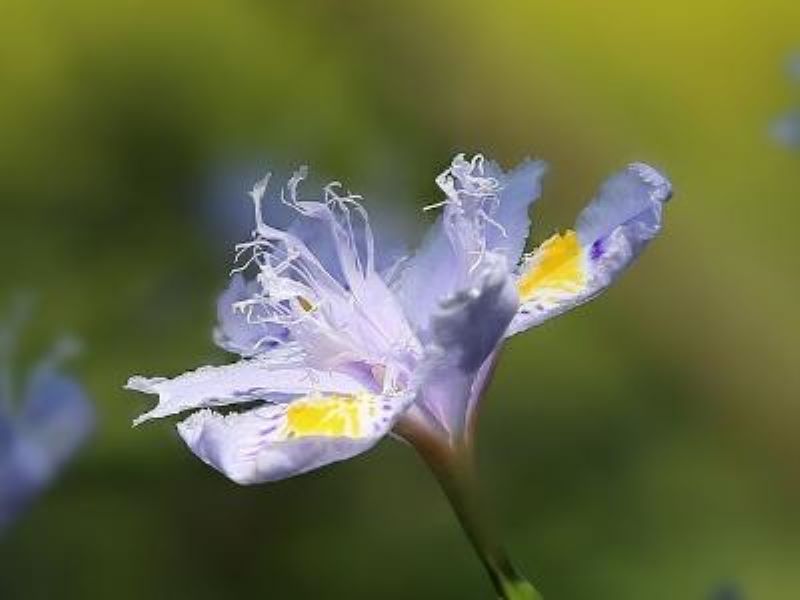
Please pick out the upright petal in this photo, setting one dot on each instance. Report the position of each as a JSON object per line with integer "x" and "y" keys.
{"x": 244, "y": 381}
{"x": 428, "y": 277}
{"x": 468, "y": 325}
{"x": 467, "y": 329}
{"x": 276, "y": 441}
{"x": 519, "y": 189}
{"x": 339, "y": 316}
{"x": 484, "y": 211}
{"x": 570, "y": 269}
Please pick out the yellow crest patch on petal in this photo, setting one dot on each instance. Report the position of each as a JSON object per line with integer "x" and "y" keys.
{"x": 556, "y": 265}
{"x": 330, "y": 416}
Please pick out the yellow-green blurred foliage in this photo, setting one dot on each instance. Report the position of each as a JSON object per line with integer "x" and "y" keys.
{"x": 643, "y": 447}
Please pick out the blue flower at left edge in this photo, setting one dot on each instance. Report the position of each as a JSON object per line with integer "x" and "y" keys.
{"x": 42, "y": 429}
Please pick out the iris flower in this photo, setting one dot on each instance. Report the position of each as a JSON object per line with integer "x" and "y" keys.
{"x": 337, "y": 353}
{"x": 42, "y": 433}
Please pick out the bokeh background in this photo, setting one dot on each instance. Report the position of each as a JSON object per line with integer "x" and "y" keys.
{"x": 645, "y": 446}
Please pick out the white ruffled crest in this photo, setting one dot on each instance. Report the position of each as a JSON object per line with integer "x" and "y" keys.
{"x": 485, "y": 211}
{"x": 472, "y": 199}
{"x": 357, "y": 319}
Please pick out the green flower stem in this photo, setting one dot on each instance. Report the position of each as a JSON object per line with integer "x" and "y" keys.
{"x": 454, "y": 468}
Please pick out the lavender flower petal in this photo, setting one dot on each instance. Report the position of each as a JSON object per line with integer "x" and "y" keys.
{"x": 241, "y": 382}
{"x": 568, "y": 270}
{"x": 276, "y": 441}
{"x": 467, "y": 329}
{"x": 520, "y": 188}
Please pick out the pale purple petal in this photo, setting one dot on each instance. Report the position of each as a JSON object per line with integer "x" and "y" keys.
{"x": 520, "y": 188}
{"x": 336, "y": 321}
{"x": 485, "y": 210}
{"x": 632, "y": 198}
{"x": 317, "y": 235}
{"x": 479, "y": 383}
{"x": 428, "y": 277}
{"x": 609, "y": 235}
{"x": 244, "y": 381}
{"x": 467, "y": 329}
{"x": 261, "y": 445}
{"x": 468, "y": 326}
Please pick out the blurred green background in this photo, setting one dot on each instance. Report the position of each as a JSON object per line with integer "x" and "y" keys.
{"x": 643, "y": 447}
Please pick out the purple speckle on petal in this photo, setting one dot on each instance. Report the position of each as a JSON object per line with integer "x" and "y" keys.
{"x": 597, "y": 250}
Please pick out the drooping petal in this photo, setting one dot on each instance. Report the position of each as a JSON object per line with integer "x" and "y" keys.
{"x": 570, "y": 269}
{"x": 276, "y": 441}
{"x": 467, "y": 329}
{"x": 519, "y": 188}
{"x": 244, "y": 381}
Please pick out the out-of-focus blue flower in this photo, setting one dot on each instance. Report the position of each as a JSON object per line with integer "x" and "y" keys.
{"x": 40, "y": 432}
{"x": 339, "y": 349}
{"x": 727, "y": 591}
{"x": 786, "y": 128}
{"x": 793, "y": 66}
